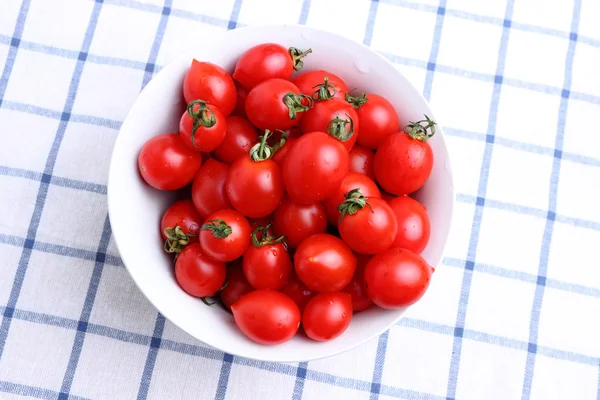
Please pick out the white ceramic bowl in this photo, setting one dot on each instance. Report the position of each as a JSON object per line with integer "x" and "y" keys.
{"x": 135, "y": 208}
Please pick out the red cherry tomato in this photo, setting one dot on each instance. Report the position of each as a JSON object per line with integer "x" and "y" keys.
{"x": 240, "y": 105}
{"x": 312, "y": 82}
{"x": 336, "y": 117}
{"x": 378, "y": 119}
{"x": 238, "y": 141}
{"x": 356, "y": 288}
{"x": 387, "y": 197}
{"x": 327, "y": 315}
{"x": 282, "y": 152}
{"x": 197, "y": 274}
{"x": 225, "y": 235}
{"x": 404, "y": 161}
{"x": 254, "y": 183}
{"x": 413, "y": 224}
{"x": 276, "y": 104}
{"x": 267, "y": 264}
{"x": 166, "y": 163}
{"x": 267, "y": 316}
{"x": 211, "y": 83}
{"x": 367, "y": 225}
{"x": 314, "y": 167}
{"x": 353, "y": 180}
{"x": 208, "y": 189}
{"x": 298, "y": 221}
{"x": 267, "y": 61}
{"x": 184, "y": 216}
{"x": 361, "y": 160}
{"x": 202, "y": 127}
{"x": 397, "y": 278}
{"x": 324, "y": 263}
{"x": 237, "y": 285}
{"x": 297, "y": 291}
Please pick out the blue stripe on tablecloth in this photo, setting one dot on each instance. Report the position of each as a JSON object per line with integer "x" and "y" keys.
{"x": 304, "y": 11}
{"x": 155, "y": 344}
{"x": 379, "y": 365}
{"x": 371, "y": 22}
{"x": 435, "y": 48}
{"x": 14, "y": 42}
{"x": 32, "y": 391}
{"x": 158, "y": 37}
{"x": 50, "y": 161}
{"x": 481, "y": 191}
{"x": 88, "y": 305}
{"x": 551, "y": 216}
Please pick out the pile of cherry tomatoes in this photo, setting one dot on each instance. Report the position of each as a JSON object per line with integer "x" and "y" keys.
{"x": 299, "y": 210}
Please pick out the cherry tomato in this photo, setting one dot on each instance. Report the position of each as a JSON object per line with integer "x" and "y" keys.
{"x": 297, "y": 291}
{"x": 404, "y": 161}
{"x": 267, "y": 264}
{"x": 327, "y": 315}
{"x": 413, "y": 224}
{"x": 267, "y": 316}
{"x": 237, "y": 285}
{"x": 361, "y": 160}
{"x": 254, "y": 183}
{"x": 208, "y": 189}
{"x": 353, "y": 180}
{"x": 240, "y": 137}
{"x": 367, "y": 225}
{"x": 240, "y": 104}
{"x": 211, "y": 83}
{"x": 276, "y": 104}
{"x": 180, "y": 225}
{"x": 225, "y": 235}
{"x": 397, "y": 278}
{"x": 313, "y": 83}
{"x": 387, "y": 197}
{"x": 202, "y": 127}
{"x": 166, "y": 163}
{"x": 378, "y": 119}
{"x": 197, "y": 274}
{"x": 298, "y": 221}
{"x": 356, "y": 288}
{"x": 282, "y": 152}
{"x": 336, "y": 117}
{"x": 324, "y": 263}
{"x": 314, "y": 167}
{"x": 267, "y": 61}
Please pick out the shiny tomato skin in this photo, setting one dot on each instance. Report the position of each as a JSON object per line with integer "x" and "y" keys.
{"x": 206, "y": 139}
{"x": 307, "y": 81}
{"x": 353, "y": 180}
{"x": 298, "y": 221}
{"x": 267, "y": 316}
{"x": 182, "y": 213}
{"x": 403, "y": 164}
{"x": 414, "y": 227}
{"x": 397, "y": 278}
{"x": 265, "y": 105}
{"x": 378, "y": 120}
{"x": 356, "y": 288}
{"x": 166, "y": 163}
{"x": 267, "y": 266}
{"x": 324, "y": 263}
{"x": 262, "y": 62}
{"x": 239, "y": 139}
{"x": 197, "y": 274}
{"x": 226, "y": 249}
{"x": 297, "y": 291}
{"x": 361, "y": 160}
{"x": 211, "y": 83}
{"x": 318, "y": 117}
{"x": 314, "y": 167}
{"x": 372, "y": 229}
{"x": 208, "y": 189}
{"x": 282, "y": 152}
{"x": 327, "y": 315}
{"x": 237, "y": 285}
{"x": 254, "y": 188}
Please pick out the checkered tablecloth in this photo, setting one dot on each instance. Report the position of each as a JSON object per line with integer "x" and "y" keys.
{"x": 514, "y": 311}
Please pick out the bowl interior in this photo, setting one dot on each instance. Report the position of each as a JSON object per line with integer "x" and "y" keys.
{"x": 135, "y": 207}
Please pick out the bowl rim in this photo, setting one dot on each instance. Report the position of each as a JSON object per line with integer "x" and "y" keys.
{"x": 118, "y": 238}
